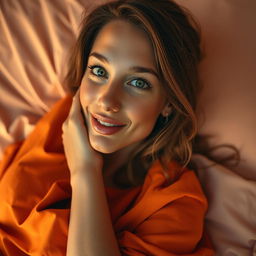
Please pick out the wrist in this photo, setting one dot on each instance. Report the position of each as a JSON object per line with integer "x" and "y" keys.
{"x": 85, "y": 174}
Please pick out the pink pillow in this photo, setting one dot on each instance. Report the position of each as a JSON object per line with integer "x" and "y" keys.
{"x": 227, "y": 104}
{"x": 227, "y": 112}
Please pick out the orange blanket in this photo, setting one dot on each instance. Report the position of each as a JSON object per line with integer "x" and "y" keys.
{"x": 35, "y": 200}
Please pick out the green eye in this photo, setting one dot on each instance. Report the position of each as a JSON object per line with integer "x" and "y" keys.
{"x": 140, "y": 83}
{"x": 98, "y": 71}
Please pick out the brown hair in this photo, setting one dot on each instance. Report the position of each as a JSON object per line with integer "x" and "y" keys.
{"x": 175, "y": 40}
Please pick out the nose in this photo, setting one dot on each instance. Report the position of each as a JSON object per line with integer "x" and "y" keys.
{"x": 110, "y": 97}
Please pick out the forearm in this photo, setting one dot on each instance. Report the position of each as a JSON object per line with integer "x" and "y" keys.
{"x": 90, "y": 227}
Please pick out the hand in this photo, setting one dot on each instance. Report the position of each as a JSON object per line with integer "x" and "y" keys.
{"x": 81, "y": 157}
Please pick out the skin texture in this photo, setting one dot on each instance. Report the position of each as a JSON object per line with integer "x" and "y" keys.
{"x": 110, "y": 90}
{"x": 115, "y": 94}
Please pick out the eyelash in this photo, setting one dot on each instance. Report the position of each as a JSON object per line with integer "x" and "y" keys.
{"x": 149, "y": 86}
{"x": 95, "y": 66}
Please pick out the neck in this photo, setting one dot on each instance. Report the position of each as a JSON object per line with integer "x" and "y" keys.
{"x": 114, "y": 161}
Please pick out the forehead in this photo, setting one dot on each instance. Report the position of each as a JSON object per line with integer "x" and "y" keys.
{"x": 123, "y": 39}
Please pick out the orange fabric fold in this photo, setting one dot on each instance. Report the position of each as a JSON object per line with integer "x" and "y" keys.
{"x": 35, "y": 195}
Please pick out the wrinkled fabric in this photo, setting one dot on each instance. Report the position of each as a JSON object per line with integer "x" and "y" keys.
{"x": 35, "y": 194}
{"x": 34, "y": 42}
{"x": 229, "y": 193}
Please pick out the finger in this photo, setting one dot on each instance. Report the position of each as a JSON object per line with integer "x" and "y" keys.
{"x": 76, "y": 106}
{"x": 73, "y": 112}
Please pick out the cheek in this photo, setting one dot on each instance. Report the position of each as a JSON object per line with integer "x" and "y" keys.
{"x": 145, "y": 113}
{"x": 87, "y": 95}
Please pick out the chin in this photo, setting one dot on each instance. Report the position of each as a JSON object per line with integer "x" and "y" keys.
{"x": 108, "y": 147}
{"x": 102, "y": 149}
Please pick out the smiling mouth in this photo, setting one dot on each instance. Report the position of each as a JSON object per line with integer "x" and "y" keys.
{"x": 104, "y": 127}
{"x": 107, "y": 124}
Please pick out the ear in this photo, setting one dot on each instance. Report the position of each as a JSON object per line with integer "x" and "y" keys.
{"x": 167, "y": 109}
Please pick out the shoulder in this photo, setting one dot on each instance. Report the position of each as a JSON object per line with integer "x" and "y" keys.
{"x": 161, "y": 213}
{"x": 182, "y": 198}
{"x": 187, "y": 183}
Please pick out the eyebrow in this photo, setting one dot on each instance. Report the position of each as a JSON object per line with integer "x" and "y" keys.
{"x": 136, "y": 69}
{"x": 99, "y": 56}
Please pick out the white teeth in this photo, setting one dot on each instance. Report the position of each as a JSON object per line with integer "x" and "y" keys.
{"x": 106, "y": 124}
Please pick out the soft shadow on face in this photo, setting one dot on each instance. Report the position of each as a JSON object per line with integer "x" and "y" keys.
{"x": 120, "y": 93}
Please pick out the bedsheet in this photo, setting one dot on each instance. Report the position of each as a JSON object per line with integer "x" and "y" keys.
{"x": 142, "y": 217}
{"x": 34, "y": 43}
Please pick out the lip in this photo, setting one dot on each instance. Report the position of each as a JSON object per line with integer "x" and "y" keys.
{"x": 105, "y": 130}
{"x": 107, "y": 119}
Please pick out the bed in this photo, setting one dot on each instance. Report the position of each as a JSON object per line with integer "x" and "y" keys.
{"x": 34, "y": 43}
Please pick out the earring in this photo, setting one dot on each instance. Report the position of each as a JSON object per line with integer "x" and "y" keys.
{"x": 166, "y": 118}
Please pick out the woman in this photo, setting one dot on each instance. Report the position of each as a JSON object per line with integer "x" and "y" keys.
{"x": 127, "y": 139}
{"x": 135, "y": 64}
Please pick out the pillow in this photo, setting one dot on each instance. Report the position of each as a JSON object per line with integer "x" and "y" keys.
{"x": 227, "y": 104}
{"x": 36, "y": 37}
{"x": 226, "y": 112}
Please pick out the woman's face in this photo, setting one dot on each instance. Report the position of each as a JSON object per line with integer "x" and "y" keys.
{"x": 120, "y": 93}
